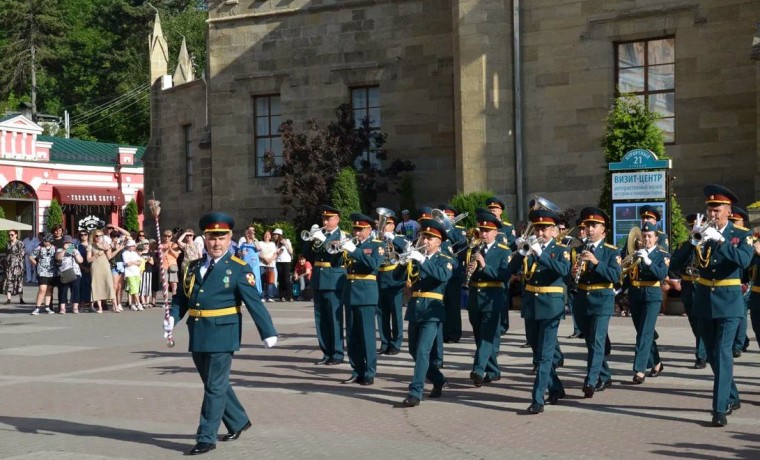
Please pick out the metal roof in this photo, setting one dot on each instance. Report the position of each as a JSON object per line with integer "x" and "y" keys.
{"x": 87, "y": 152}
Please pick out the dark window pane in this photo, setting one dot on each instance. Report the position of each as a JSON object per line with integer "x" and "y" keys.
{"x": 373, "y": 96}
{"x": 262, "y": 126}
{"x": 663, "y": 103}
{"x": 630, "y": 55}
{"x": 374, "y": 118}
{"x": 262, "y": 106}
{"x": 359, "y": 98}
{"x": 275, "y": 108}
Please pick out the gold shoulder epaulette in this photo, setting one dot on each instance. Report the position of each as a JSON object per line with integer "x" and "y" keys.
{"x": 443, "y": 254}
{"x": 504, "y": 222}
{"x": 377, "y": 241}
{"x": 662, "y": 250}
{"x": 611, "y": 246}
{"x": 503, "y": 246}
{"x": 561, "y": 245}
{"x": 739, "y": 227}
{"x": 238, "y": 260}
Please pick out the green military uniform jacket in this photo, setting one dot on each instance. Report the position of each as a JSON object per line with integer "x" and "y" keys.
{"x": 434, "y": 274}
{"x": 361, "y": 274}
{"x": 231, "y": 283}
{"x": 605, "y": 273}
{"x": 328, "y": 272}
{"x": 647, "y": 274}
{"x": 722, "y": 262}
{"x": 496, "y": 270}
{"x": 546, "y": 271}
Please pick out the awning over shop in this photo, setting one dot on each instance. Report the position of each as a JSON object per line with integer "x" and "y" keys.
{"x": 88, "y": 196}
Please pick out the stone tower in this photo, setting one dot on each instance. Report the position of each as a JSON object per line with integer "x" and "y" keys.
{"x": 159, "y": 52}
{"x": 184, "y": 71}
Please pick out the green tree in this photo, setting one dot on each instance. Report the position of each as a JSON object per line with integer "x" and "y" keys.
{"x": 54, "y": 215}
{"x": 31, "y": 28}
{"x": 345, "y": 197}
{"x": 131, "y": 221}
{"x": 469, "y": 202}
{"x": 631, "y": 125}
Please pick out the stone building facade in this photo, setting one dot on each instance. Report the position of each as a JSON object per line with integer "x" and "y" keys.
{"x": 475, "y": 102}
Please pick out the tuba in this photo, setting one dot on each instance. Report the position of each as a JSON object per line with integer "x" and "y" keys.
{"x": 631, "y": 261}
{"x": 447, "y": 222}
{"x": 535, "y": 204}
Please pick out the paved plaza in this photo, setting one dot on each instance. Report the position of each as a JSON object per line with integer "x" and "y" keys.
{"x": 92, "y": 386}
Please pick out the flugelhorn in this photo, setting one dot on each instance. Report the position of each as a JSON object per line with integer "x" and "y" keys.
{"x": 698, "y": 233}
{"x": 403, "y": 257}
{"x": 308, "y": 235}
{"x": 336, "y": 246}
{"x": 530, "y": 241}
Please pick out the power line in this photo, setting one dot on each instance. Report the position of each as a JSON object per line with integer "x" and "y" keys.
{"x": 117, "y": 101}
{"x": 111, "y": 113}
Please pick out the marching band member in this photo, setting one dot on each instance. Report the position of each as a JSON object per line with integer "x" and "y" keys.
{"x": 214, "y": 289}
{"x": 645, "y": 298}
{"x": 360, "y": 295}
{"x": 574, "y": 245}
{"x": 741, "y": 342}
{"x": 487, "y": 270}
{"x": 754, "y": 297}
{"x": 722, "y": 252}
{"x": 598, "y": 269}
{"x": 454, "y": 241}
{"x": 327, "y": 279}
{"x": 426, "y": 310}
{"x": 682, "y": 259}
{"x": 506, "y": 236}
{"x": 391, "y": 279}
{"x": 544, "y": 263}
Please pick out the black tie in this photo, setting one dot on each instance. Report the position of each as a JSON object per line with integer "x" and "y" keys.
{"x": 208, "y": 270}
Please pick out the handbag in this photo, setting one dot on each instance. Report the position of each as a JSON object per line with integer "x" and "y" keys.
{"x": 269, "y": 276}
{"x": 68, "y": 275}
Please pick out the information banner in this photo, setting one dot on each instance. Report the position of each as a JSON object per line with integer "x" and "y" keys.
{"x": 627, "y": 216}
{"x": 639, "y": 185}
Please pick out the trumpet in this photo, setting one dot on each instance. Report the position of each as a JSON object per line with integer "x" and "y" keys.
{"x": 698, "y": 233}
{"x": 336, "y": 246}
{"x": 307, "y": 235}
{"x": 403, "y": 257}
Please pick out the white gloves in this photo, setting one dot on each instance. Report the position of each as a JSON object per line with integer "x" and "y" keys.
{"x": 536, "y": 248}
{"x": 168, "y": 326}
{"x": 314, "y": 228}
{"x": 319, "y": 236}
{"x": 417, "y": 256}
{"x": 348, "y": 246}
{"x": 389, "y": 236}
{"x": 643, "y": 254}
{"x": 520, "y": 241}
{"x": 270, "y": 342}
{"x": 711, "y": 234}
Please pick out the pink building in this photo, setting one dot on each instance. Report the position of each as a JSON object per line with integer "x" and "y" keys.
{"x": 91, "y": 180}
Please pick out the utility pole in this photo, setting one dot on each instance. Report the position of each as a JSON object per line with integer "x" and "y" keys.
{"x": 34, "y": 86}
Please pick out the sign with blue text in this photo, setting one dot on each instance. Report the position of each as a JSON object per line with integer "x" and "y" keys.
{"x": 639, "y": 185}
{"x": 639, "y": 159}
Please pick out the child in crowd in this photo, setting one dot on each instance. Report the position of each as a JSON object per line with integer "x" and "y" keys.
{"x": 132, "y": 263}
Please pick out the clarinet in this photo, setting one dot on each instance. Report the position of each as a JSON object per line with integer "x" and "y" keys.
{"x": 472, "y": 266}
{"x": 579, "y": 266}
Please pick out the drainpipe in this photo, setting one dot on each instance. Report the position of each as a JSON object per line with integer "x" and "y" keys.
{"x": 517, "y": 88}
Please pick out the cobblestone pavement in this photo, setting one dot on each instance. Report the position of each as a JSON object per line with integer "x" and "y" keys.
{"x": 94, "y": 386}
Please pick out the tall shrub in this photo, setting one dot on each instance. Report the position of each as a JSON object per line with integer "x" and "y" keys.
{"x": 345, "y": 196}
{"x": 54, "y": 215}
{"x": 468, "y": 202}
{"x": 131, "y": 221}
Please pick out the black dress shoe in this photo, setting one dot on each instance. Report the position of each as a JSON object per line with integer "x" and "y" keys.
{"x": 382, "y": 351}
{"x": 477, "y": 380}
{"x": 352, "y": 379}
{"x": 437, "y": 391}
{"x": 333, "y": 362}
{"x": 638, "y": 379}
{"x": 392, "y": 351}
{"x": 322, "y": 361}
{"x": 719, "y": 420}
{"x": 489, "y": 379}
{"x": 588, "y": 391}
{"x": 535, "y": 409}
{"x": 410, "y": 401}
{"x": 234, "y": 435}
{"x": 601, "y": 386}
{"x": 525, "y": 345}
{"x": 655, "y": 373}
{"x": 554, "y": 397}
{"x": 700, "y": 364}
{"x": 533, "y": 370}
{"x": 201, "y": 448}
{"x": 737, "y": 353}
{"x": 575, "y": 335}
{"x": 732, "y": 407}
{"x": 367, "y": 382}
{"x": 560, "y": 363}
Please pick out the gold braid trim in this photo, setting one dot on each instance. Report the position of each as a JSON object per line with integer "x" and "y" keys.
{"x": 704, "y": 261}
{"x": 528, "y": 272}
